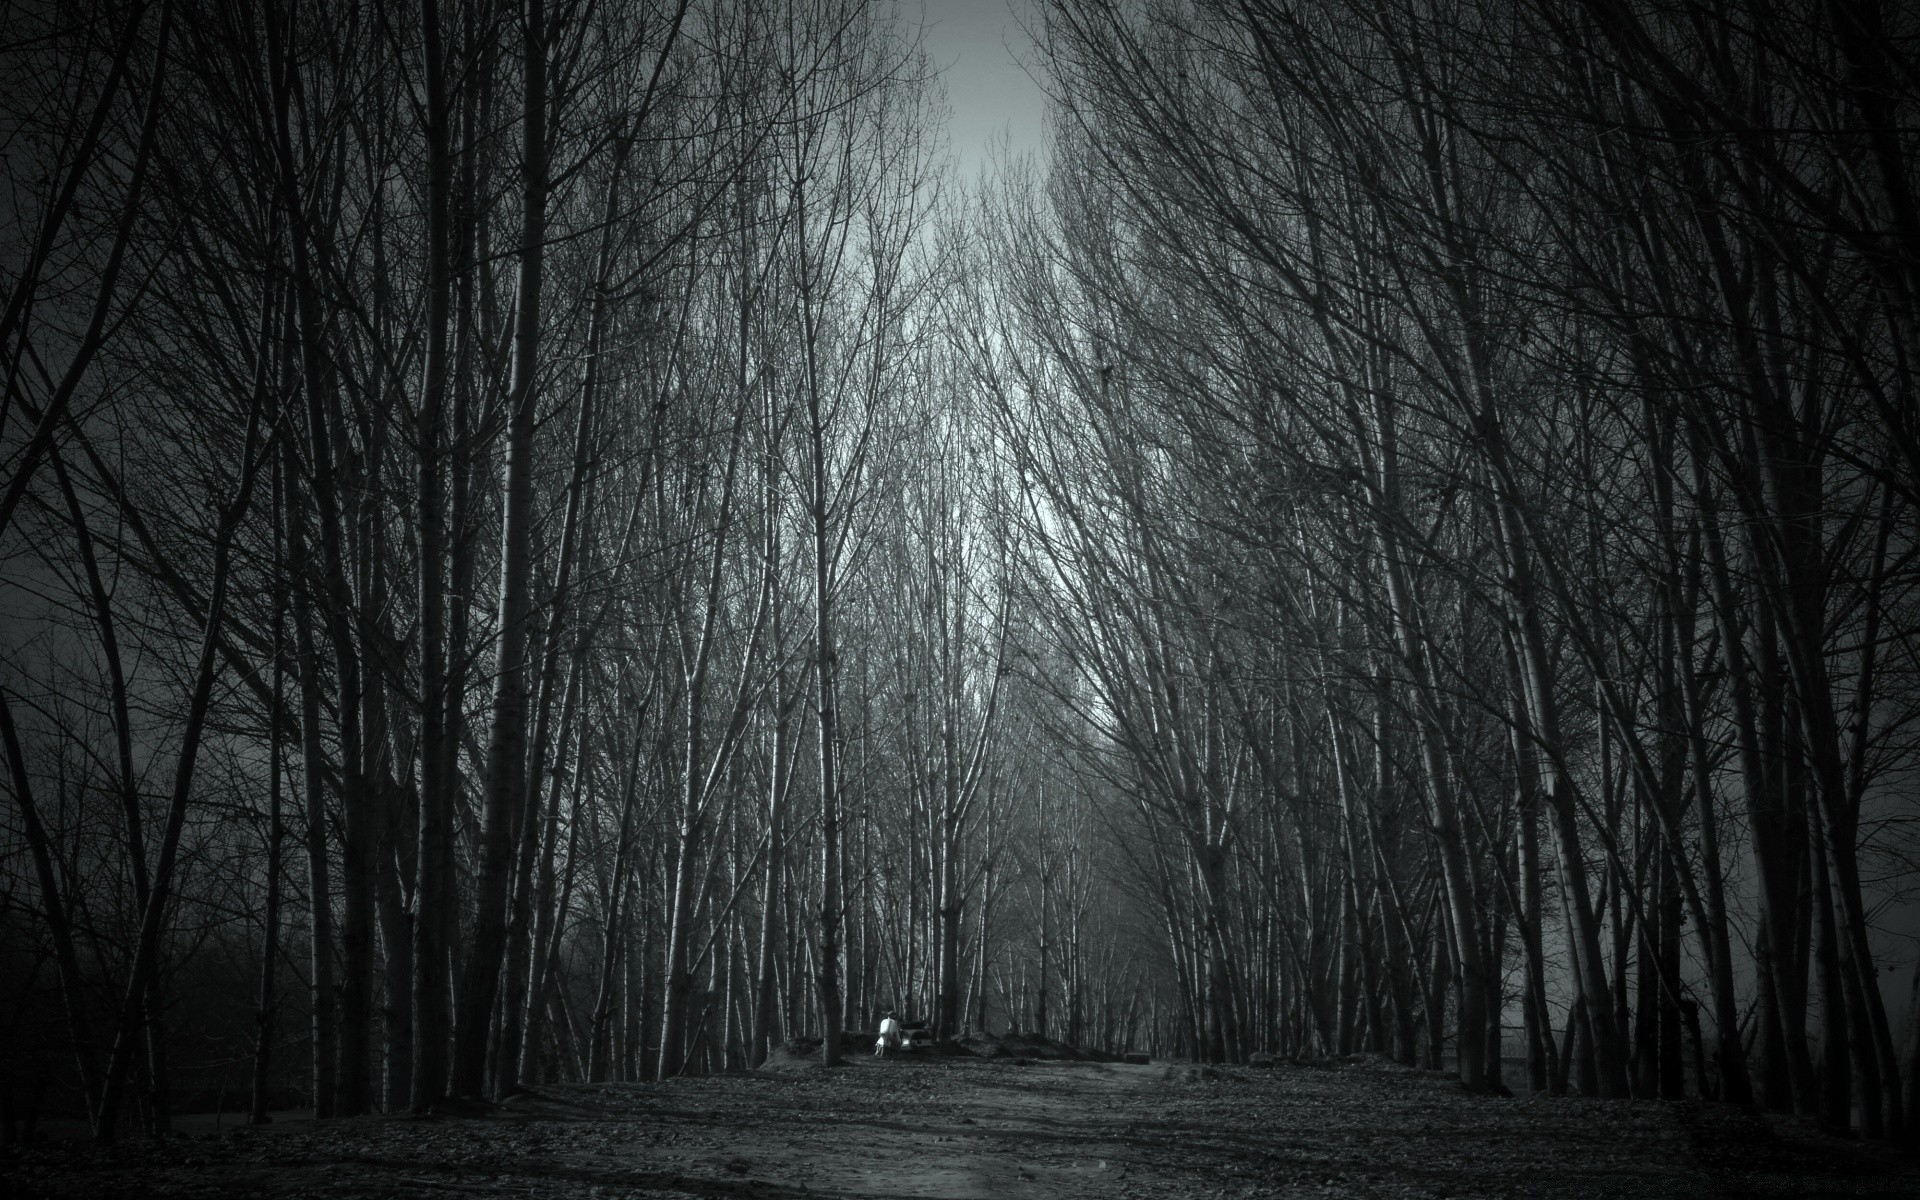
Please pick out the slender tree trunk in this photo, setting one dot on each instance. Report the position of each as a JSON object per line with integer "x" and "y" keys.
{"x": 766, "y": 1022}
{"x": 1837, "y": 1084}
{"x": 267, "y": 1011}
{"x": 433, "y": 888}
{"x": 320, "y": 959}
{"x": 820, "y": 513}
{"x": 507, "y": 745}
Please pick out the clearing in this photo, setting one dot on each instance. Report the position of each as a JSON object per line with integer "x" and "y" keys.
{"x": 1000, "y": 1130}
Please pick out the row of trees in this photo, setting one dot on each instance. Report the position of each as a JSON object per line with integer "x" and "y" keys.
{"x": 539, "y": 545}
{"x": 1467, "y": 467}
{"x": 504, "y": 578}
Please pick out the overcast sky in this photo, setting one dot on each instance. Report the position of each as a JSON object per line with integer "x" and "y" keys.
{"x": 978, "y": 46}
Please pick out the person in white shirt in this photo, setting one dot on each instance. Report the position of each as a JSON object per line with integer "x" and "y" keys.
{"x": 890, "y": 1034}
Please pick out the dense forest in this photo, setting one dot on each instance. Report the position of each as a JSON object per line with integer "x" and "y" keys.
{"x": 560, "y": 541}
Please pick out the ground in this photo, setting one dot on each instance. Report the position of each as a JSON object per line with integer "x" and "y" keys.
{"x": 1000, "y": 1129}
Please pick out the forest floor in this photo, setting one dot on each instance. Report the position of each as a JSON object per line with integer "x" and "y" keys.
{"x": 999, "y": 1129}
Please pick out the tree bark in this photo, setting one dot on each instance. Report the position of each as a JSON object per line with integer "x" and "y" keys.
{"x": 506, "y": 782}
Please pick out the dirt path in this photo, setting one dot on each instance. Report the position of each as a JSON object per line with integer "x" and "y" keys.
{"x": 967, "y": 1129}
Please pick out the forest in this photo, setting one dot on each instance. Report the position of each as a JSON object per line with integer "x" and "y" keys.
{"x": 559, "y": 540}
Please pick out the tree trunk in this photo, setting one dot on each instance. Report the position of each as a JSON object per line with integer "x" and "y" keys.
{"x": 313, "y": 790}
{"x": 265, "y": 1014}
{"x": 507, "y": 743}
{"x": 433, "y": 888}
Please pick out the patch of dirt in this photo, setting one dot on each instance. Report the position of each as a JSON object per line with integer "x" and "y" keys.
{"x": 964, "y": 1128}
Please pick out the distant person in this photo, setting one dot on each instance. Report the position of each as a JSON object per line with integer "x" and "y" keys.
{"x": 890, "y": 1033}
